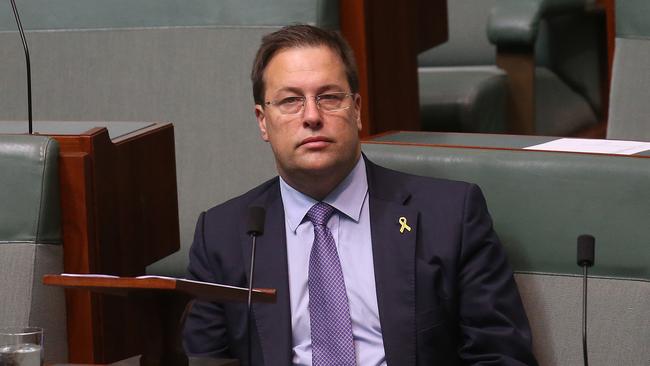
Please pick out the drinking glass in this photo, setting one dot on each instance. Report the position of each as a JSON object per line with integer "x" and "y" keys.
{"x": 21, "y": 346}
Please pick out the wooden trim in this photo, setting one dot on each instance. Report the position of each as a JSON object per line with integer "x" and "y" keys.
{"x": 78, "y": 231}
{"x": 519, "y": 64}
{"x": 610, "y": 15}
{"x": 352, "y": 18}
{"x": 196, "y": 289}
{"x": 610, "y": 19}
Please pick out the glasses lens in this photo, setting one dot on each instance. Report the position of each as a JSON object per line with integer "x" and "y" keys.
{"x": 329, "y": 102}
{"x": 333, "y": 101}
{"x": 290, "y": 105}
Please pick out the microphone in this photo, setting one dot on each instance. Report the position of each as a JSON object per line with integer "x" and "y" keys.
{"x": 586, "y": 244}
{"x": 27, "y": 62}
{"x": 254, "y": 228}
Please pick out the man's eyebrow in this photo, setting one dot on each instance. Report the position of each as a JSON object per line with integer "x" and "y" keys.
{"x": 330, "y": 87}
{"x": 324, "y": 88}
{"x": 290, "y": 89}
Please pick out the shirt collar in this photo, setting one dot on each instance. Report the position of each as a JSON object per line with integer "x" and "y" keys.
{"x": 347, "y": 197}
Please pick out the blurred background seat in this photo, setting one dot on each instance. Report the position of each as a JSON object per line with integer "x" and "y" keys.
{"x": 544, "y": 75}
{"x": 30, "y": 239}
{"x": 629, "y": 111}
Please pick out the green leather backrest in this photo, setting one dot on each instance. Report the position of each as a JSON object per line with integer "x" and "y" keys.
{"x": 29, "y": 190}
{"x": 541, "y": 202}
{"x": 468, "y": 42}
{"x": 629, "y": 92}
{"x": 632, "y": 18}
{"x": 95, "y": 14}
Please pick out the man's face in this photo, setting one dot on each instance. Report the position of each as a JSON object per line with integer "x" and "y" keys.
{"x": 312, "y": 141}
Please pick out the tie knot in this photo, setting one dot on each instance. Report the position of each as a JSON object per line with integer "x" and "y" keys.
{"x": 320, "y": 213}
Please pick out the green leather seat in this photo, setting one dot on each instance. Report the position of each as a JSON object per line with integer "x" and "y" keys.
{"x": 629, "y": 109}
{"x": 540, "y": 202}
{"x": 461, "y": 88}
{"x": 30, "y": 239}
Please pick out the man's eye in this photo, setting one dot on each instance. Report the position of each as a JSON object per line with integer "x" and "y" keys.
{"x": 290, "y": 101}
{"x": 331, "y": 97}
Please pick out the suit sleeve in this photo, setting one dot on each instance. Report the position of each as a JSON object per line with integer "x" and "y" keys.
{"x": 493, "y": 324}
{"x": 205, "y": 333}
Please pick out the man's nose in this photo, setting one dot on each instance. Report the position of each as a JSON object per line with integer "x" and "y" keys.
{"x": 311, "y": 114}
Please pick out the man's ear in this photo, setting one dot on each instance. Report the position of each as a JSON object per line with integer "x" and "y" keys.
{"x": 261, "y": 122}
{"x": 357, "y": 109}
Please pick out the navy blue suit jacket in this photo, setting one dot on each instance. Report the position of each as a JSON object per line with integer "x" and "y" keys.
{"x": 445, "y": 291}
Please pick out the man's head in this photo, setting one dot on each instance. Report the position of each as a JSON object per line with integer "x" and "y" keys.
{"x": 305, "y": 87}
{"x": 301, "y": 36}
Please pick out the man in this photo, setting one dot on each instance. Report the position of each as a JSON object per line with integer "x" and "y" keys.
{"x": 371, "y": 266}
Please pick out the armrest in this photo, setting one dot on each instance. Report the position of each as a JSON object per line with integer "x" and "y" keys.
{"x": 516, "y": 22}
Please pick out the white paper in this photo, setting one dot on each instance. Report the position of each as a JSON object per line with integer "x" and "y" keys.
{"x": 159, "y": 277}
{"x": 88, "y": 275}
{"x": 598, "y": 146}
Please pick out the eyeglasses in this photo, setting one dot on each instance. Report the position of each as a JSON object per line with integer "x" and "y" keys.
{"x": 328, "y": 102}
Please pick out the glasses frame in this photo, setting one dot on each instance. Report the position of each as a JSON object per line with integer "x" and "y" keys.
{"x": 317, "y": 98}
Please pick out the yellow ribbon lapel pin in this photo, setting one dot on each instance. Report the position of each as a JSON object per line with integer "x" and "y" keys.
{"x": 404, "y": 225}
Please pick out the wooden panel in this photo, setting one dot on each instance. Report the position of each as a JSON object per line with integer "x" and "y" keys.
{"x": 78, "y": 231}
{"x": 386, "y": 37}
{"x": 120, "y": 213}
{"x": 432, "y": 26}
{"x": 146, "y": 187}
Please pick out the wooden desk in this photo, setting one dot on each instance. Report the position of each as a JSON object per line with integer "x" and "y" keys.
{"x": 161, "y": 303}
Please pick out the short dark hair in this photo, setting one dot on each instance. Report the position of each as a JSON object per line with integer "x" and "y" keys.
{"x": 296, "y": 36}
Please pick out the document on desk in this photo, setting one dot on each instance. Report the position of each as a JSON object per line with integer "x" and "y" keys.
{"x": 598, "y": 146}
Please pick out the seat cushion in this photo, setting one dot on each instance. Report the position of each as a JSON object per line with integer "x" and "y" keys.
{"x": 559, "y": 110}
{"x": 463, "y": 99}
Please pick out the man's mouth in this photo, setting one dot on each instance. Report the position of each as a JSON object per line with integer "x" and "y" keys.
{"x": 315, "y": 142}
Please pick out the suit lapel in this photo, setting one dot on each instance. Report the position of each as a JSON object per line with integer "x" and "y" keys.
{"x": 272, "y": 321}
{"x": 394, "y": 261}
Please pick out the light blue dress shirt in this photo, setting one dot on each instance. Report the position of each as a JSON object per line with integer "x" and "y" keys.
{"x": 350, "y": 227}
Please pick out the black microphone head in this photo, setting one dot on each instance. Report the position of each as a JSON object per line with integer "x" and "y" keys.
{"x": 255, "y": 223}
{"x": 586, "y": 244}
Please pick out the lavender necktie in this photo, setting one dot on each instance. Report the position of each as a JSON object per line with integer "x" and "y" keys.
{"x": 329, "y": 313}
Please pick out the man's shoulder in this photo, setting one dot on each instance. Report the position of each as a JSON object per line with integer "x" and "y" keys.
{"x": 237, "y": 206}
{"x": 415, "y": 183}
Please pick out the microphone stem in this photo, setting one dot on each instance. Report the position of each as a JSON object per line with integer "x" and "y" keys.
{"x": 28, "y": 63}
{"x": 250, "y": 300}
{"x": 584, "y": 316}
